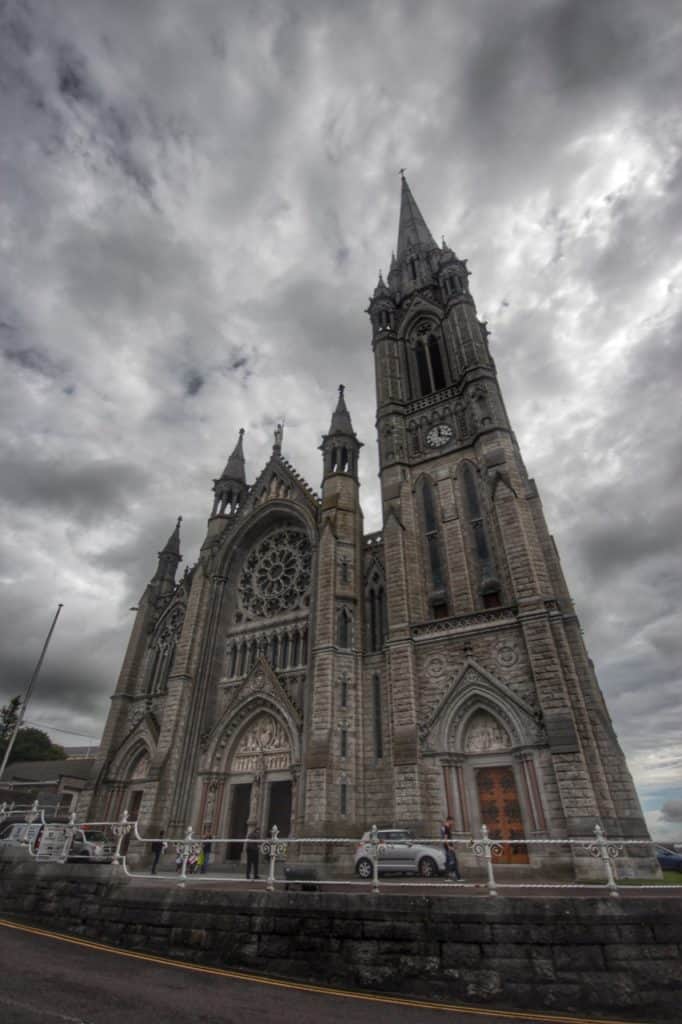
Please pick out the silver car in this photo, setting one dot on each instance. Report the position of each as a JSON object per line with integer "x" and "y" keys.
{"x": 399, "y": 853}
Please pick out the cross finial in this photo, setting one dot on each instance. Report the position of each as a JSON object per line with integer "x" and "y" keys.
{"x": 342, "y": 388}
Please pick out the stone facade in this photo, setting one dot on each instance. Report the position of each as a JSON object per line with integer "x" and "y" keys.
{"x": 306, "y": 674}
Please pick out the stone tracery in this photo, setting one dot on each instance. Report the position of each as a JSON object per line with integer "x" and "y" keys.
{"x": 276, "y": 574}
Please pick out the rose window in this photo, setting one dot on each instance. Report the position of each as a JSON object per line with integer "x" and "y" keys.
{"x": 276, "y": 574}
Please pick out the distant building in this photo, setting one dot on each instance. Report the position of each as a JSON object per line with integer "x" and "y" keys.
{"x": 306, "y": 674}
{"x": 56, "y": 785}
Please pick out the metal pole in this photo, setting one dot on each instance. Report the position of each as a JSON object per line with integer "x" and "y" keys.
{"x": 274, "y": 833}
{"x": 27, "y": 696}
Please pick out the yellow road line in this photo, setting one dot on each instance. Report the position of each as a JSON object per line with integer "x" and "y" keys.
{"x": 297, "y": 986}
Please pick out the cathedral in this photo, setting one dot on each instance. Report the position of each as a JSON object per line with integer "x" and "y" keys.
{"x": 307, "y": 674}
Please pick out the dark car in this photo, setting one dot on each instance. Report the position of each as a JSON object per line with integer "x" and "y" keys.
{"x": 667, "y": 859}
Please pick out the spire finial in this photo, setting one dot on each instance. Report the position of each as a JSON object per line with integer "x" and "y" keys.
{"x": 401, "y": 172}
{"x": 178, "y": 522}
{"x": 279, "y": 435}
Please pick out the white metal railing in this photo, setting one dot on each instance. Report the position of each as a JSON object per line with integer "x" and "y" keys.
{"x": 55, "y": 844}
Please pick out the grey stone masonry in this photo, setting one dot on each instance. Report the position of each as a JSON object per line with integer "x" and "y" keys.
{"x": 587, "y": 956}
{"x": 305, "y": 674}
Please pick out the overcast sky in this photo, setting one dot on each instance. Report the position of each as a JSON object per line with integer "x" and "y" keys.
{"x": 195, "y": 201}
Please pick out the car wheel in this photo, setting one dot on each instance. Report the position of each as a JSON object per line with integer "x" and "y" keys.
{"x": 428, "y": 867}
{"x": 364, "y": 867}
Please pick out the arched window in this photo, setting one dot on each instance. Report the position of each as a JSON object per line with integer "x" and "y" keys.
{"x": 295, "y": 648}
{"x": 490, "y": 586}
{"x": 431, "y": 534}
{"x": 376, "y": 613}
{"x": 284, "y": 652}
{"x": 431, "y": 371}
{"x": 344, "y": 628}
{"x": 376, "y": 717}
{"x": 274, "y": 649}
{"x": 233, "y": 660}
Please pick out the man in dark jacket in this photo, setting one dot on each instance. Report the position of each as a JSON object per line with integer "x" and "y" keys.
{"x": 158, "y": 847}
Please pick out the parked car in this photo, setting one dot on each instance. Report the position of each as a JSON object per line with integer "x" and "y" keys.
{"x": 92, "y": 845}
{"x": 667, "y": 859}
{"x": 399, "y": 853}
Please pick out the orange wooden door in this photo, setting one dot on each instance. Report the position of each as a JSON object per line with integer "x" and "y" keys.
{"x": 498, "y": 799}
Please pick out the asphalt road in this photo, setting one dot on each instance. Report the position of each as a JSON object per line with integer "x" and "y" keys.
{"x": 55, "y": 979}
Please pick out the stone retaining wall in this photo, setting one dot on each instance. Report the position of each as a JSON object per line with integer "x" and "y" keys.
{"x": 569, "y": 955}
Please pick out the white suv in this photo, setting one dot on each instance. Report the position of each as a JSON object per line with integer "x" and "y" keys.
{"x": 398, "y": 852}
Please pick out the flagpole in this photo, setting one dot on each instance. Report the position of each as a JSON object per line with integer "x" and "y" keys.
{"x": 27, "y": 695}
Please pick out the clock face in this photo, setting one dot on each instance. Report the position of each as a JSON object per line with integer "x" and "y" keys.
{"x": 439, "y": 435}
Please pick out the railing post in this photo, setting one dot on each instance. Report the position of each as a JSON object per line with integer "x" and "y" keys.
{"x": 486, "y": 847}
{"x": 606, "y": 851}
{"x": 186, "y": 850}
{"x": 274, "y": 832}
{"x": 120, "y": 830}
{"x": 68, "y": 838}
{"x": 374, "y": 841}
{"x": 33, "y": 813}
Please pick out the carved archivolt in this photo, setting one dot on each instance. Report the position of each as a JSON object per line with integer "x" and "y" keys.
{"x": 260, "y": 722}
{"x": 478, "y": 714}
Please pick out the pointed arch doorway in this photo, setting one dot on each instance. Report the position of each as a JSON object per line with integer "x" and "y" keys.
{"x": 261, "y": 781}
{"x": 499, "y": 806}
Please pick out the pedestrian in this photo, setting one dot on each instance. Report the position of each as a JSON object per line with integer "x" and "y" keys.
{"x": 159, "y": 847}
{"x": 451, "y": 865}
{"x": 206, "y": 850}
{"x": 252, "y": 850}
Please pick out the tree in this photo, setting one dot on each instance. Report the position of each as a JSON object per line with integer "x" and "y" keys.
{"x": 31, "y": 744}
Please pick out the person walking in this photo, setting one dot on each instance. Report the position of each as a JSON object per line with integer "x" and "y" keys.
{"x": 206, "y": 850}
{"x": 451, "y": 865}
{"x": 252, "y": 851}
{"x": 159, "y": 847}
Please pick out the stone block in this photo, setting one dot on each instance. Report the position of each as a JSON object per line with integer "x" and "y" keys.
{"x": 577, "y": 958}
{"x": 460, "y": 954}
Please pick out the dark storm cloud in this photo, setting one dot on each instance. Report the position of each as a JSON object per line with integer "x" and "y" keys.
{"x": 672, "y": 809}
{"x": 195, "y": 207}
{"x": 82, "y": 492}
{"x": 33, "y": 359}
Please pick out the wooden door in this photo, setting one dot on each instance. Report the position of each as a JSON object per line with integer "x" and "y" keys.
{"x": 239, "y": 816}
{"x": 498, "y": 800}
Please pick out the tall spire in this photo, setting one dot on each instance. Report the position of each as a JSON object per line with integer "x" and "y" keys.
{"x": 412, "y": 229}
{"x": 341, "y": 423}
{"x": 340, "y": 447}
{"x": 163, "y": 580}
{"x": 173, "y": 543}
{"x": 234, "y": 470}
{"x": 230, "y": 489}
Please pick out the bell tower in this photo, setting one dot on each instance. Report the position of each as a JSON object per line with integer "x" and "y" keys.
{"x": 479, "y": 614}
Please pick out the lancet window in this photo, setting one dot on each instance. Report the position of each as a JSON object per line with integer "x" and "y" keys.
{"x": 490, "y": 587}
{"x": 430, "y": 363}
{"x": 436, "y": 581}
{"x": 161, "y": 654}
{"x": 376, "y": 612}
{"x": 284, "y": 648}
